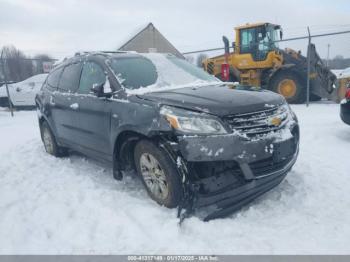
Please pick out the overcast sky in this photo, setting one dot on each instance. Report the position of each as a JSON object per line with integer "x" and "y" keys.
{"x": 62, "y": 27}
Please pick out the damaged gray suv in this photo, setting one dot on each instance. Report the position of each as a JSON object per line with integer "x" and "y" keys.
{"x": 193, "y": 140}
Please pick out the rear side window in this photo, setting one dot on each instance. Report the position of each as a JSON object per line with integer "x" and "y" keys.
{"x": 54, "y": 77}
{"x": 92, "y": 74}
{"x": 70, "y": 78}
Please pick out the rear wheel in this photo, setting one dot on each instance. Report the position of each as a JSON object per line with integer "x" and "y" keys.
{"x": 50, "y": 143}
{"x": 289, "y": 85}
{"x": 158, "y": 173}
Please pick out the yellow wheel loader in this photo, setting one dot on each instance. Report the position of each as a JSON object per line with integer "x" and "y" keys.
{"x": 256, "y": 60}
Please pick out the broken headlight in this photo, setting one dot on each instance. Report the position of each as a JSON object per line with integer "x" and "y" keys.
{"x": 192, "y": 122}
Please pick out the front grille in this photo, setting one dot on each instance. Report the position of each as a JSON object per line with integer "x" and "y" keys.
{"x": 258, "y": 123}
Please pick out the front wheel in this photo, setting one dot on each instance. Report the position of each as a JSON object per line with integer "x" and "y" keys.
{"x": 289, "y": 85}
{"x": 158, "y": 173}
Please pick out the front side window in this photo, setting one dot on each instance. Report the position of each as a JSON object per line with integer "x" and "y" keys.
{"x": 70, "y": 78}
{"x": 92, "y": 74}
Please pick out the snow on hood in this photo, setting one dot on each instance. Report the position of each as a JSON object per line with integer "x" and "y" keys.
{"x": 170, "y": 76}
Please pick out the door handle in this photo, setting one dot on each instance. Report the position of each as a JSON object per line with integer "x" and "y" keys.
{"x": 52, "y": 101}
{"x": 74, "y": 106}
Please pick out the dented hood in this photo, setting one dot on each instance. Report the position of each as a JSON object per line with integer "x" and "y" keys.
{"x": 217, "y": 100}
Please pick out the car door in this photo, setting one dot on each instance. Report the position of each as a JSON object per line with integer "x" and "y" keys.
{"x": 24, "y": 94}
{"x": 48, "y": 96}
{"x": 92, "y": 114}
{"x": 16, "y": 94}
{"x": 61, "y": 102}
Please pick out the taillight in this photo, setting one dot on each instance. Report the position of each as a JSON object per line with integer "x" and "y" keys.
{"x": 347, "y": 94}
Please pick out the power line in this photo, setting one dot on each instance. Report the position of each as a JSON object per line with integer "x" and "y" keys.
{"x": 277, "y": 41}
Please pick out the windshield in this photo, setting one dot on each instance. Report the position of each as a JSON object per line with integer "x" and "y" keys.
{"x": 152, "y": 72}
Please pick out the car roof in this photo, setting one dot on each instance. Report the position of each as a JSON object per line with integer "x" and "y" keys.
{"x": 100, "y": 55}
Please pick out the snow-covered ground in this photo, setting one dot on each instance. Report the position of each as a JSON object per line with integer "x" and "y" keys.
{"x": 73, "y": 205}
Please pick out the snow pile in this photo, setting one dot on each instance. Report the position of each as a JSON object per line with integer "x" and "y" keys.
{"x": 345, "y": 73}
{"x": 73, "y": 205}
{"x": 337, "y": 72}
{"x": 342, "y": 73}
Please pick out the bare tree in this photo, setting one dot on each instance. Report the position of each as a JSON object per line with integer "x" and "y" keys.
{"x": 17, "y": 66}
{"x": 200, "y": 58}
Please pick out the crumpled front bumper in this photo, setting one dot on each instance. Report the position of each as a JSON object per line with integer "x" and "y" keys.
{"x": 262, "y": 165}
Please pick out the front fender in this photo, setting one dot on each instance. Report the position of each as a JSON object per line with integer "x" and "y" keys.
{"x": 138, "y": 118}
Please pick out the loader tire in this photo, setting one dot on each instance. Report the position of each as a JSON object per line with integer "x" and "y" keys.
{"x": 289, "y": 85}
{"x": 158, "y": 173}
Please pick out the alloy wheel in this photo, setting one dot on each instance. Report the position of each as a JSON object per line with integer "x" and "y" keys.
{"x": 154, "y": 176}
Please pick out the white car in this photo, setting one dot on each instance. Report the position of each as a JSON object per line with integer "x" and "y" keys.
{"x": 23, "y": 93}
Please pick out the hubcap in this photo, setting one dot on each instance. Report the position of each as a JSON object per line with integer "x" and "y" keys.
{"x": 48, "y": 143}
{"x": 154, "y": 176}
{"x": 287, "y": 88}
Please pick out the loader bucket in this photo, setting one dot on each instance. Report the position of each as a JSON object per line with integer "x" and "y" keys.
{"x": 321, "y": 78}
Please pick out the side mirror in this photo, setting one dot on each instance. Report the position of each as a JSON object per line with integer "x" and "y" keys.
{"x": 97, "y": 89}
{"x": 281, "y": 34}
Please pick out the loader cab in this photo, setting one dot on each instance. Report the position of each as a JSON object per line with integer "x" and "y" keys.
{"x": 257, "y": 39}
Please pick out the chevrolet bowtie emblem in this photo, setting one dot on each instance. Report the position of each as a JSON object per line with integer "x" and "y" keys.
{"x": 276, "y": 121}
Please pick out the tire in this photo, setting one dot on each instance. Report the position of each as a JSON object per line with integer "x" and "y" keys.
{"x": 160, "y": 177}
{"x": 50, "y": 143}
{"x": 289, "y": 85}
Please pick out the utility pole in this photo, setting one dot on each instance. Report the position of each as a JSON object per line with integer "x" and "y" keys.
{"x": 308, "y": 68}
{"x": 5, "y": 79}
{"x": 328, "y": 46}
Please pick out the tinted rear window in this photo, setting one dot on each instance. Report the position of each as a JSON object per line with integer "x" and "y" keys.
{"x": 135, "y": 72}
{"x": 70, "y": 77}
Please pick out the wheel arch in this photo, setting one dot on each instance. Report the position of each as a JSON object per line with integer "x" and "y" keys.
{"x": 41, "y": 119}
{"x": 124, "y": 144}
